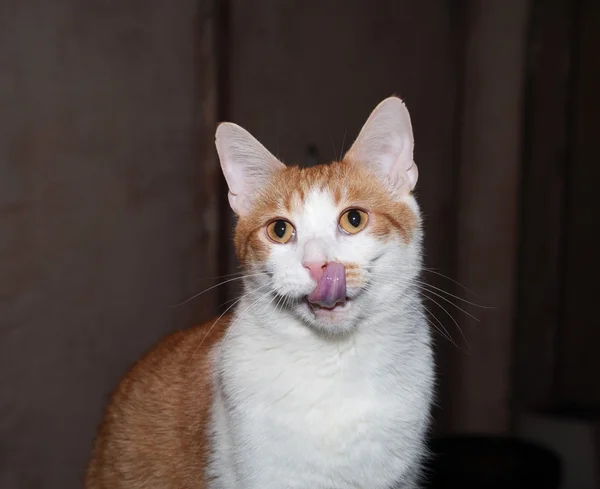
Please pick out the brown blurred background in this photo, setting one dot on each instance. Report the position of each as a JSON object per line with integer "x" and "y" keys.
{"x": 113, "y": 209}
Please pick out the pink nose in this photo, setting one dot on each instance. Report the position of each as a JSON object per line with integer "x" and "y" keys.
{"x": 315, "y": 269}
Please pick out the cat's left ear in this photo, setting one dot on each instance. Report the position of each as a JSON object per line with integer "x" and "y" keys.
{"x": 247, "y": 165}
{"x": 385, "y": 144}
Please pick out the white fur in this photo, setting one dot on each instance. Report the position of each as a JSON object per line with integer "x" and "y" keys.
{"x": 297, "y": 408}
{"x": 313, "y": 403}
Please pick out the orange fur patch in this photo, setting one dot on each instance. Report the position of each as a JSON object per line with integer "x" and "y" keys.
{"x": 354, "y": 275}
{"x": 154, "y": 432}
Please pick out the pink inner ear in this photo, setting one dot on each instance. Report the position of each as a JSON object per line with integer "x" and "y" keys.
{"x": 413, "y": 175}
{"x": 402, "y": 178}
{"x": 247, "y": 165}
{"x": 385, "y": 143}
{"x": 237, "y": 205}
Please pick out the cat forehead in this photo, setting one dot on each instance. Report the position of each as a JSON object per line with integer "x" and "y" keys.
{"x": 316, "y": 209}
{"x": 336, "y": 183}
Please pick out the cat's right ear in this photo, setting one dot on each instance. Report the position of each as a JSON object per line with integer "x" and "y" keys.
{"x": 246, "y": 164}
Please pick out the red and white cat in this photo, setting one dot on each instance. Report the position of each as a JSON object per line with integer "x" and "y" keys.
{"x": 323, "y": 376}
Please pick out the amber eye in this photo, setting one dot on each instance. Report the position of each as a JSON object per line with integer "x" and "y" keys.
{"x": 353, "y": 221}
{"x": 280, "y": 231}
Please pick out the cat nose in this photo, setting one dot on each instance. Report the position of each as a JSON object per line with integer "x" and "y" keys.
{"x": 315, "y": 269}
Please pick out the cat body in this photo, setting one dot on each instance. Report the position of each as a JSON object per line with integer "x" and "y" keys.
{"x": 322, "y": 377}
{"x": 341, "y": 415}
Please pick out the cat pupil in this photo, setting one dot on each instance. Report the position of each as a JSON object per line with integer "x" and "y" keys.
{"x": 280, "y": 227}
{"x": 354, "y": 218}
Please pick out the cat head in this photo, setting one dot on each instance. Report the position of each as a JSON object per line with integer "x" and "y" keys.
{"x": 330, "y": 242}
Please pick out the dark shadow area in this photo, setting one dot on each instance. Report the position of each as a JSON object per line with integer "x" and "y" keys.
{"x": 472, "y": 462}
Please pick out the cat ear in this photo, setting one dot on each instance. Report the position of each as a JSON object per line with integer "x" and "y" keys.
{"x": 385, "y": 144}
{"x": 246, "y": 164}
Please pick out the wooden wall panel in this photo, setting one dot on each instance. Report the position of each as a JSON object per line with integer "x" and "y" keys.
{"x": 550, "y": 68}
{"x": 488, "y": 210}
{"x": 557, "y": 335}
{"x": 578, "y": 356}
{"x": 107, "y": 211}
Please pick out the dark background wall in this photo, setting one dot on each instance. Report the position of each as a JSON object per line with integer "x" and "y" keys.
{"x": 113, "y": 210}
{"x": 107, "y": 209}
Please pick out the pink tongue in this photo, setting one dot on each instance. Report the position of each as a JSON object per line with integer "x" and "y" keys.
{"x": 331, "y": 288}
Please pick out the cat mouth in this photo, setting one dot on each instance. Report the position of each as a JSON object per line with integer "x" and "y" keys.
{"x": 320, "y": 308}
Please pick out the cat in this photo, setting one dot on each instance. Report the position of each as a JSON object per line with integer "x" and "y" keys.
{"x": 323, "y": 376}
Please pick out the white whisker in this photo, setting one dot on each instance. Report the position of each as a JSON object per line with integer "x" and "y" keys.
{"x": 423, "y": 290}
{"x": 239, "y": 316}
{"x": 450, "y": 316}
{"x": 434, "y": 271}
{"x": 219, "y": 318}
{"x": 212, "y": 326}
{"x": 217, "y": 285}
{"x": 443, "y": 331}
{"x": 420, "y": 283}
{"x": 454, "y": 296}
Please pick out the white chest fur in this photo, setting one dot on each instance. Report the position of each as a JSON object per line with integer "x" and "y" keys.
{"x": 294, "y": 410}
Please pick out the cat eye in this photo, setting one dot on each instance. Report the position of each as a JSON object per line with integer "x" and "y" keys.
{"x": 353, "y": 221}
{"x": 280, "y": 231}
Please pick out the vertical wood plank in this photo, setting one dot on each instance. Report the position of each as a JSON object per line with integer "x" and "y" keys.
{"x": 487, "y": 236}
{"x": 107, "y": 211}
{"x": 578, "y": 357}
{"x": 550, "y": 67}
